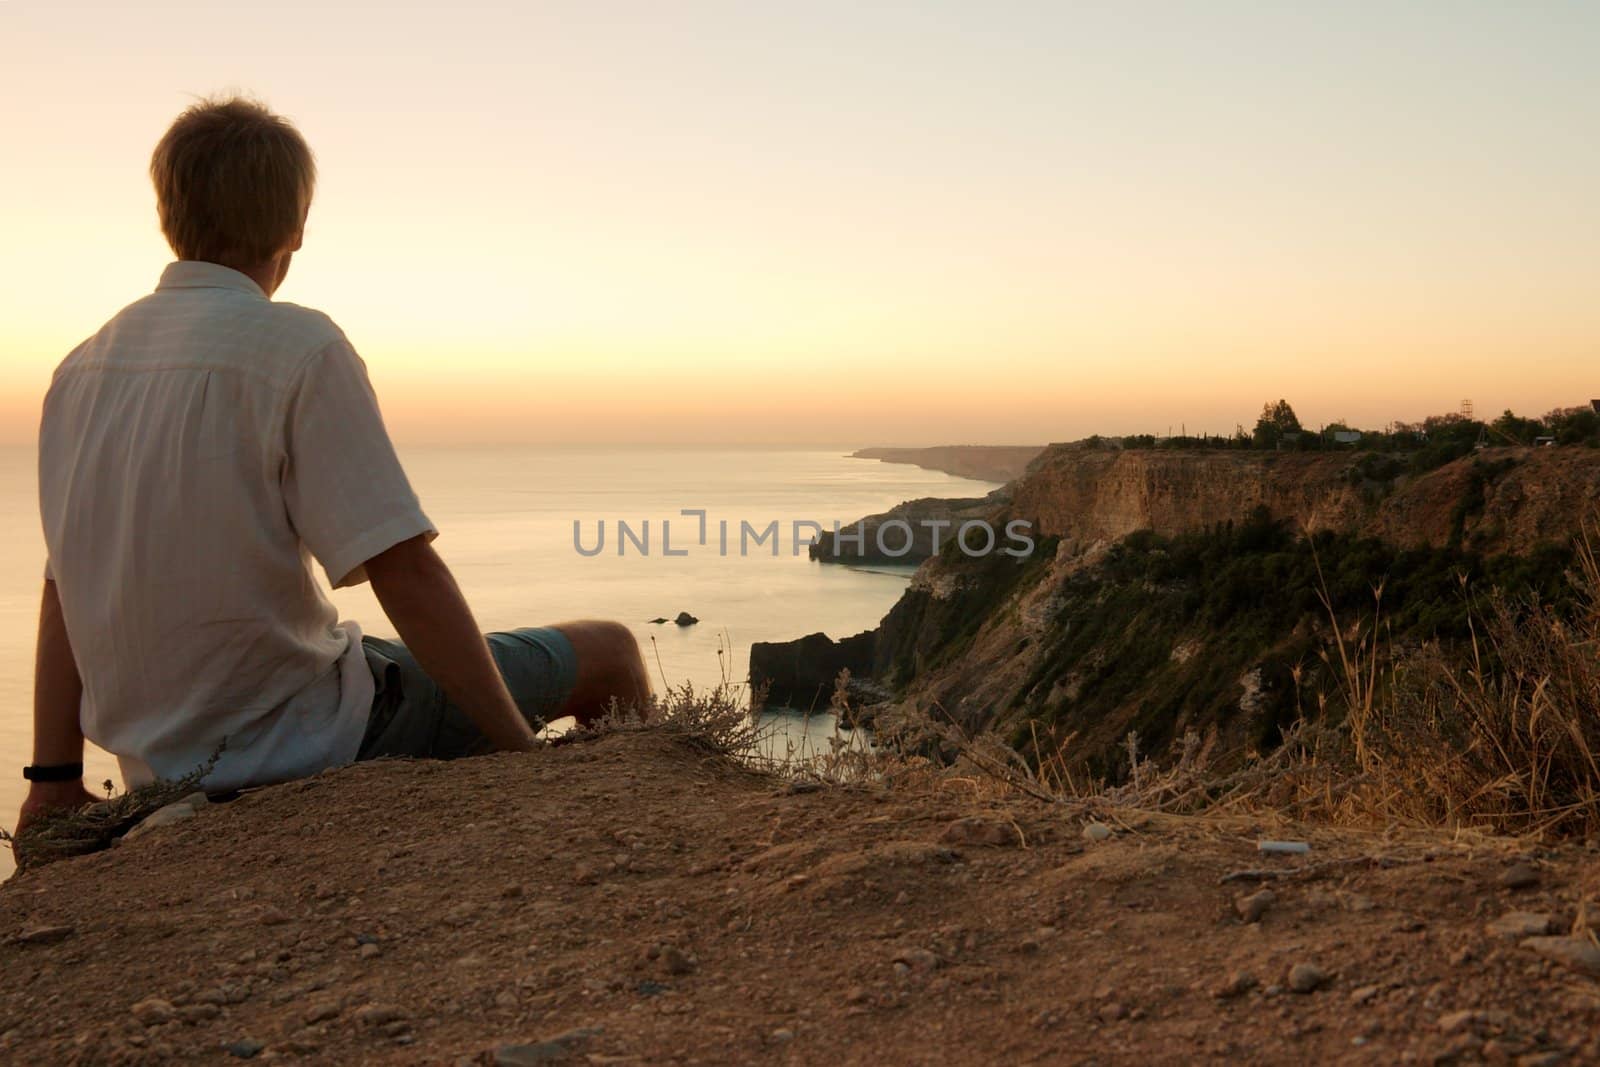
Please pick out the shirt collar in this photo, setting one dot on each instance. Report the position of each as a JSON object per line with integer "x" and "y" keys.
{"x": 198, "y": 274}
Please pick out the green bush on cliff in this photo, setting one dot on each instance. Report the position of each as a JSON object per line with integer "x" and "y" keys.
{"x": 1248, "y": 596}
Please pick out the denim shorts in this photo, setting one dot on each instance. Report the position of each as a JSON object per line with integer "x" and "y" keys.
{"x": 412, "y": 717}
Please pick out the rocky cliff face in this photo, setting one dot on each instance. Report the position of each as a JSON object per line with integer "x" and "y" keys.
{"x": 985, "y": 463}
{"x": 1502, "y": 499}
{"x": 1174, "y": 590}
{"x": 907, "y": 533}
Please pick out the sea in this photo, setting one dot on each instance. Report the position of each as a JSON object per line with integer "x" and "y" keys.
{"x": 538, "y": 535}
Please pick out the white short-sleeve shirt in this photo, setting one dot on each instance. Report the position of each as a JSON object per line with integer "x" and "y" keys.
{"x": 195, "y": 455}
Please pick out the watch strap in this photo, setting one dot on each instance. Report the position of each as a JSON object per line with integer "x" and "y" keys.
{"x": 53, "y": 772}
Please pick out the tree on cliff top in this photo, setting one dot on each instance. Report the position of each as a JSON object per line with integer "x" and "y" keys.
{"x": 1275, "y": 421}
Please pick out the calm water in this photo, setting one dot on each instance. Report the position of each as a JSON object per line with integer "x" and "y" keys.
{"x": 505, "y": 518}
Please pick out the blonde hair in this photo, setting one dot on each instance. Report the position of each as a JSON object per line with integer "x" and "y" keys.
{"x": 233, "y": 183}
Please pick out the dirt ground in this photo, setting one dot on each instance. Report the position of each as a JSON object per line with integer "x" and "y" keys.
{"x": 635, "y": 899}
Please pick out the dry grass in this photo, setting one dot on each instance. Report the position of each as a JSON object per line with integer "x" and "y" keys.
{"x": 1502, "y": 737}
{"x": 62, "y": 834}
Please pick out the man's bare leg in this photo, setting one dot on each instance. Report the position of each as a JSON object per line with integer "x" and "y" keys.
{"x": 609, "y": 668}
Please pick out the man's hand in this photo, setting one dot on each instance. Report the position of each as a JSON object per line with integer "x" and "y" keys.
{"x": 52, "y": 796}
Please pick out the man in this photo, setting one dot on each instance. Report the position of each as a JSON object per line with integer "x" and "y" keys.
{"x": 195, "y": 456}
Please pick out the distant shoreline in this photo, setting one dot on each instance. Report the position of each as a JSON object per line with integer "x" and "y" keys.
{"x": 984, "y": 463}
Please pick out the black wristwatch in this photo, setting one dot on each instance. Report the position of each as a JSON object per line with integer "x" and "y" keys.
{"x": 53, "y": 772}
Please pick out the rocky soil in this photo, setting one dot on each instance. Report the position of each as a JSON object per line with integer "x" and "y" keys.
{"x": 637, "y": 899}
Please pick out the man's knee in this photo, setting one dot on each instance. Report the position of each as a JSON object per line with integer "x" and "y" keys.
{"x": 609, "y": 661}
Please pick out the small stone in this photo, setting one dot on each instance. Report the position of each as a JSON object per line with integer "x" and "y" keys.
{"x": 44, "y": 935}
{"x": 981, "y": 832}
{"x": 176, "y": 812}
{"x": 1575, "y": 953}
{"x": 918, "y": 960}
{"x": 1522, "y": 924}
{"x": 1366, "y": 994}
{"x": 321, "y": 1013}
{"x": 244, "y": 1048}
{"x": 1519, "y": 876}
{"x": 1457, "y": 1022}
{"x": 378, "y": 1014}
{"x": 673, "y": 960}
{"x": 1236, "y": 986}
{"x": 1251, "y": 908}
{"x": 782, "y": 1034}
{"x": 1096, "y": 831}
{"x": 1112, "y": 1012}
{"x": 460, "y": 915}
{"x": 272, "y": 916}
{"x": 561, "y": 1047}
{"x": 154, "y": 1011}
{"x": 857, "y": 995}
{"x": 369, "y": 951}
{"x": 1307, "y": 978}
{"x": 194, "y": 1014}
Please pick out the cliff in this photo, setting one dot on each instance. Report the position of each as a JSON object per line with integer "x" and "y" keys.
{"x": 915, "y": 530}
{"x": 1501, "y": 499}
{"x": 984, "y": 463}
{"x": 1175, "y": 591}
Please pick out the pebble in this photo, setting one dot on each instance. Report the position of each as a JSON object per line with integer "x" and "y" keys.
{"x": 560, "y": 1047}
{"x": 977, "y": 831}
{"x": 176, "y": 812}
{"x": 1307, "y": 978}
{"x": 370, "y": 951}
{"x": 44, "y": 935}
{"x": 460, "y": 915}
{"x": 244, "y": 1048}
{"x": 321, "y": 1013}
{"x": 782, "y": 1034}
{"x": 194, "y": 1014}
{"x": 1365, "y": 994}
{"x": 1096, "y": 831}
{"x": 1236, "y": 986}
{"x": 674, "y": 960}
{"x": 919, "y": 960}
{"x": 1575, "y": 953}
{"x": 272, "y": 916}
{"x": 1252, "y": 907}
{"x": 154, "y": 1011}
{"x": 1519, "y": 876}
{"x": 378, "y": 1014}
{"x": 1522, "y": 924}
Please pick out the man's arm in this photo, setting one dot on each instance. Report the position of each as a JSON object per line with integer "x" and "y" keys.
{"x": 421, "y": 598}
{"x": 57, "y": 692}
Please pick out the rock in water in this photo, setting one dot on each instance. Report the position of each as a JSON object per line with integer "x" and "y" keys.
{"x": 685, "y": 619}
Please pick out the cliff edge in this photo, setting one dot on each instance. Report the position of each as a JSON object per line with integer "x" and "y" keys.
{"x": 639, "y": 898}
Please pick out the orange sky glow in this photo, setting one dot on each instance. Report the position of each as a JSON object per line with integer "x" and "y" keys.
{"x": 871, "y": 224}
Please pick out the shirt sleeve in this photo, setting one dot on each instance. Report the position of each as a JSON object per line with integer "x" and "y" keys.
{"x": 347, "y": 495}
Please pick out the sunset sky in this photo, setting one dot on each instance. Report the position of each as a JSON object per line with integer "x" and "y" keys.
{"x": 884, "y": 223}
